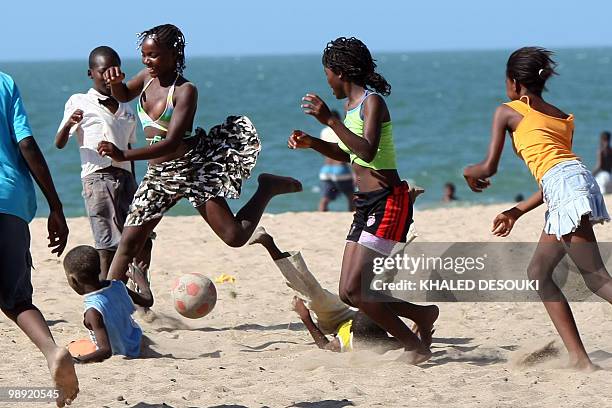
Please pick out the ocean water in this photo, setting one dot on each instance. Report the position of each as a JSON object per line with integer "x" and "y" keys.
{"x": 441, "y": 106}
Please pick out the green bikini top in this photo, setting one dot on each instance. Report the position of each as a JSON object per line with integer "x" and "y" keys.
{"x": 163, "y": 122}
{"x": 385, "y": 155}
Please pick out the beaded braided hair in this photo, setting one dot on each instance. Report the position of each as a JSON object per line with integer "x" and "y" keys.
{"x": 169, "y": 36}
{"x": 351, "y": 58}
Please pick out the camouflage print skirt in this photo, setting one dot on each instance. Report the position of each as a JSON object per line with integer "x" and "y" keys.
{"x": 215, "y": 167}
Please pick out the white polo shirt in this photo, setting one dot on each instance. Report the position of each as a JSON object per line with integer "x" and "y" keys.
{"x": 99, "y": 124}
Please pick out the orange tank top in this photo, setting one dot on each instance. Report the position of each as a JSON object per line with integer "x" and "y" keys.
{"x": 542, "y": 141}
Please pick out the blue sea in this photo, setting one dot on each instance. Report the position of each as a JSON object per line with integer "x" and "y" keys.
{"x": 441, "y": 106}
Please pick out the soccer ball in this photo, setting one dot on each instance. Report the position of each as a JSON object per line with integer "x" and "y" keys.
{"x": 194, "y": 295}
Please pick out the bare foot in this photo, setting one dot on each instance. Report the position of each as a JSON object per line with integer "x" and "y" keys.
{"x": 276, "y": 185}
{"x": 63, "y": 375}
{"x": 260, "y": 236}
{"x": 424, "y": 327}
{"x": 299, "y": 307}
{"x": 583, "y": 364}
{"x": 415, "y": 357}
{"x": 414, "y": 192}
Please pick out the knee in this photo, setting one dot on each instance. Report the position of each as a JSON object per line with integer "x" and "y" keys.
{"x": 19, "y": 308}
{"x": 536, "y": 272}
{"x": 234, "y": 238}
{"x": 350, "y": 294}
{"x": 595, "y": 281}
{"x": 345, "y": 298}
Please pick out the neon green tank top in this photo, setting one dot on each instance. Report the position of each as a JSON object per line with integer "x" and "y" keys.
{"x": 385, "y": 155}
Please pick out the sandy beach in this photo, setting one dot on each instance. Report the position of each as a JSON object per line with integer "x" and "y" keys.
{"x": 252, "y": 350}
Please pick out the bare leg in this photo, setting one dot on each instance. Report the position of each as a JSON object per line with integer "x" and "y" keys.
{"x": 582, "y": 248}
{"x": 260, "y": 236}
{"x": 324, "y": 204}
{"x": 145, "y": 254}
{"x": 236, "y": 230}
{"x": 133, "y": 241}
{"x": 32, "y": 323}
{"x": 106, "y": 258}
{"x": 546, "y": 257}
{"x": 357, "y": 261}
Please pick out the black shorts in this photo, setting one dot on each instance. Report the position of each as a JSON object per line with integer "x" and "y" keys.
{"x": 15, "y": 262}
{"x": 382, "y": 218}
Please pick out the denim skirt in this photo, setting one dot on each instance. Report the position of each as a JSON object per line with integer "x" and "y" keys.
{"x": 570, "y": 192}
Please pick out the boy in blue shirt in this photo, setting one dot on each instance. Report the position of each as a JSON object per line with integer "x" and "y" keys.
{"x": 108, "y": 305}
{"x": 20, "y": 158}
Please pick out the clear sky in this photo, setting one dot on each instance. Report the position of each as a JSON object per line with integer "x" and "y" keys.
{"x": 44, "y": 30}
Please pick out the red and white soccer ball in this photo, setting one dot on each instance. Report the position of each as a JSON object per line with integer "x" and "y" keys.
{"x": 194, "y": 295}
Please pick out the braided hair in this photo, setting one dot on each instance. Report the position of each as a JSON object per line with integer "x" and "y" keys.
{"x": 169, "y": 36}
{"x": 531, "y": 67}
{"x": 351, "y": 58}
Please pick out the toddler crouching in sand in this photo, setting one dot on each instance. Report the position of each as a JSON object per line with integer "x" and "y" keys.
{"x": 108, "y": 305}
{"x": 349, "y": 326}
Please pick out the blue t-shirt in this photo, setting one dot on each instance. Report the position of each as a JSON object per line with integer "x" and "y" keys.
{"x": 116, "y": 307}
{"x": 17, "y": 195}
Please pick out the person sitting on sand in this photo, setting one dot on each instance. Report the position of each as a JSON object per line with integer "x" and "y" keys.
{"x": 22, "y": 160}
{"x": 108, "y": 305}
{"x": 348, "y": 326}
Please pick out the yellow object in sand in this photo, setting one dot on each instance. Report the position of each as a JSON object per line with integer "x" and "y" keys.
{"x": 225, "y": 278}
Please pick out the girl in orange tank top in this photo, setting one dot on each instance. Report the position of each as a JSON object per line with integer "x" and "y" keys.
{"x": 542, "y": 137}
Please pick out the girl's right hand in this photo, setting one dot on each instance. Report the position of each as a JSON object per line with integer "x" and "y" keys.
{"x": 476, "y": 184}
{"x": 113, "y": 76}
{"x": 299, "y": 140}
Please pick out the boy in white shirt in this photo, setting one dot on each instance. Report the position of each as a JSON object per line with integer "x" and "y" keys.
{"x": 108, "y": 186}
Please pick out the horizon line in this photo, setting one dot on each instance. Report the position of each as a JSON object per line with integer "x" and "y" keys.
{"x": 312, "y": 53}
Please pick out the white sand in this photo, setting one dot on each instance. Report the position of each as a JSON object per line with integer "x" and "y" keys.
{"x": 252, "y": 351}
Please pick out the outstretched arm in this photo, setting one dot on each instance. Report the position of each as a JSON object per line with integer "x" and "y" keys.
{"x": 301, "y": 140}
{"x": 374, "y": 110}
{"x": 476, "y": 175}
{"x": 185, "y": 106}
{"x": 319, "y": 338}
{"x": 504, "y": 222}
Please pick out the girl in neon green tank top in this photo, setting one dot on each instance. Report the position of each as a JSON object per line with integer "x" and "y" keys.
{"x": 383, "y": 203}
